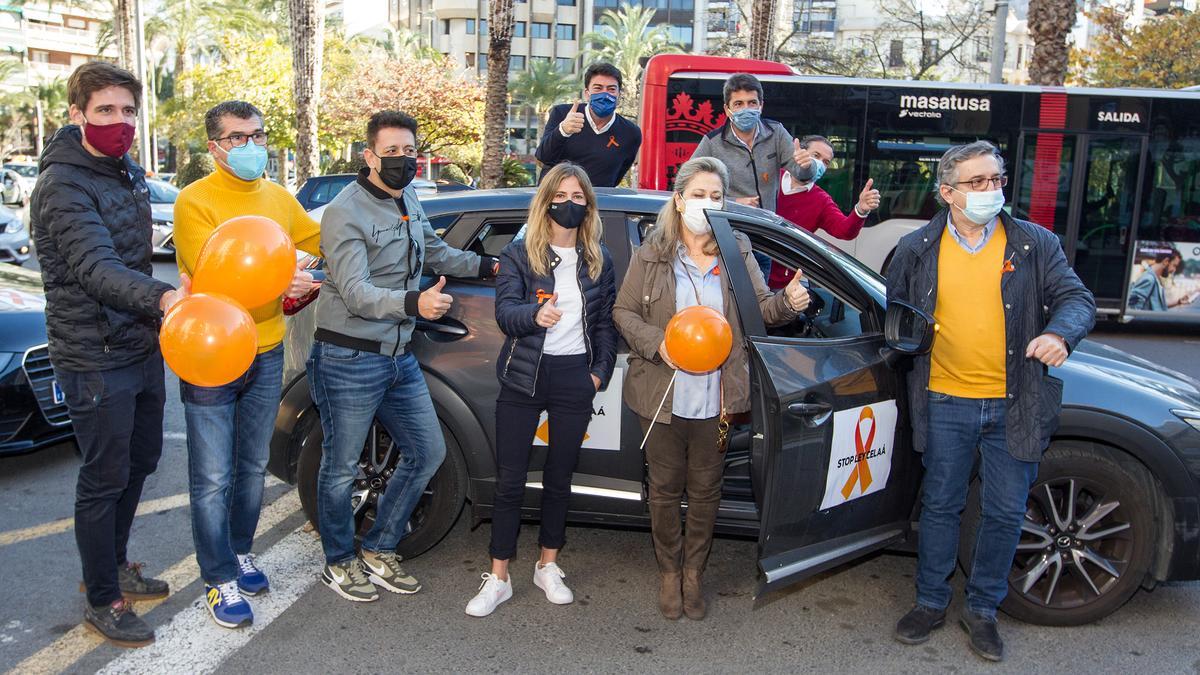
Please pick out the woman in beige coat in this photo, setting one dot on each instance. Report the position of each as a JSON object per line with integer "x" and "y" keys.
{"x": 677, "y": 267}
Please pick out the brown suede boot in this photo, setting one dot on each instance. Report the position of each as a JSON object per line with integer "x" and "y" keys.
{"x": 670, "y": 602}
{"x": 693, "y": 595}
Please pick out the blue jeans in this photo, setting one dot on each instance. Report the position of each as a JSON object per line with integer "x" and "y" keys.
{"x": 957, "y": 427}
{"x": 352, "y": 388}
{"x": 228, "y": 438}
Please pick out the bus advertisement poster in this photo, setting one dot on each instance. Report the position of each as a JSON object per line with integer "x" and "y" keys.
{"x": 1165, "y": 277}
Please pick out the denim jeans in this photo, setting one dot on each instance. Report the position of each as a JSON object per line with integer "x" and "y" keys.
{"x": 228, "y": 439}
{"x": 117, "y": 416}
{"x": 957, "y": 427}
{"x": 352, "y": 388}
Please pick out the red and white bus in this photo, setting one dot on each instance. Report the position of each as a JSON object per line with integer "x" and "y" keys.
{"x": 1114, "y": 172}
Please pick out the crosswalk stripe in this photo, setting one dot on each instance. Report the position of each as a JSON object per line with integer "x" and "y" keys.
{"x": 61, "y": 654}
{"x": 191, "y": 643}
{"x": 67, "y": 524}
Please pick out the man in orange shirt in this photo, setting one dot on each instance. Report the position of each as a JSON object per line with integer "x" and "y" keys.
{"x": 985, "y": 386}
{"x": 229, "y": 427}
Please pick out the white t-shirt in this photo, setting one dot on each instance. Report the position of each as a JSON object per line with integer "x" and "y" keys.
{"x": 566, "y": 337}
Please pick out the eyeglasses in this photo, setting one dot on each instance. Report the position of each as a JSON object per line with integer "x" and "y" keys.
{"x": 238, "y": 140}
{"x": 980, "y": 183}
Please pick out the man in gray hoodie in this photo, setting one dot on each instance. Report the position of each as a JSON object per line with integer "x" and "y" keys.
{"x": 376, "y": 241}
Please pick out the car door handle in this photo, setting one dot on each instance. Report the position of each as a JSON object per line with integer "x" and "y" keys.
{"x": 446, "y": 328}
{"x": 808, "y": 409}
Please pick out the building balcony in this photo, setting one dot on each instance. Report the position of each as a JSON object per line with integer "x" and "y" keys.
{"x": 61, "y": 39}
{"x": 458, "y": 9}
{"x": 44, "y": 71}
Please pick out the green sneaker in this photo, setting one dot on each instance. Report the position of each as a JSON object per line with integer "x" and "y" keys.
{"x": 347, "y": 580}
{"x": 383, "y": 569}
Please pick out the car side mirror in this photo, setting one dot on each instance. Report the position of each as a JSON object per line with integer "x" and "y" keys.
{"x": 908, "y": 330}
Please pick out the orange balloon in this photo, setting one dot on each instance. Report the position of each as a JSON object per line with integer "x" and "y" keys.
{"x": 208, "y": 340}
{"x": 698, "y": 339}
{"x": 248, "y": 258}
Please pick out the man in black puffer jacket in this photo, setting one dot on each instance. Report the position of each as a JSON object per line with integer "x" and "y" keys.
{"x": 91, "y": 217}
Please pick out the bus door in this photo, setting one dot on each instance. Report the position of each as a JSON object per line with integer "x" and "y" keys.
{"x": 1086, "y": 188}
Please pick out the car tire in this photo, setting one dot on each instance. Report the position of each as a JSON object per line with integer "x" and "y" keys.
{"x": 435, "y": 514}
{"x": 1057, "y": 579}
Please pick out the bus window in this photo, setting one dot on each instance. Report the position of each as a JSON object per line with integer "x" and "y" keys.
{"x": 1107, "y": 211}
{"x": 1044, "y": 195}
{"x": 904, "y": 167}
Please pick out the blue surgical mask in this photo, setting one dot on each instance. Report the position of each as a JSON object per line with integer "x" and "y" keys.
{"x": 602, "y": 104}
{"x": 982, "y": 206}
{"x": 247, "y": 162}
{"x": 818, "y": 169}
{"x": 746, "y": 118}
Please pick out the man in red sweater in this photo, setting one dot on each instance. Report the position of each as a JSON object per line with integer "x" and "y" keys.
{"x": 813, "y": 209}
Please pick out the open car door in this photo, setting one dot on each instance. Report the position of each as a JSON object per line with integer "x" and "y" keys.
{"x": 835, "y": 474}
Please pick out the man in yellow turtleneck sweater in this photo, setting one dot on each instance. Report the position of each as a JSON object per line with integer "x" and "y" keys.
{"x": 229, "y": 427}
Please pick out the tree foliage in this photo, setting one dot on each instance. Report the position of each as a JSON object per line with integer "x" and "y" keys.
{"x": 1163, "y": 53}
{"x": 448, "y": 107}
{"x": 625, "y": 39}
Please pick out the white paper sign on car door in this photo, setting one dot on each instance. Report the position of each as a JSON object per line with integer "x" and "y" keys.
{"x": 604, "y": 431}
{"x": 860, "y": 459}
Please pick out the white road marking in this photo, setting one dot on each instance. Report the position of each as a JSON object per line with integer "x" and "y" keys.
{"x": 67, "y": 524}
{"x": 61, "y": 654}
{"x": 191, "y": 643}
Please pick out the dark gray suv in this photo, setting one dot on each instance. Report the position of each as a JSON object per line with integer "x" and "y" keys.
{"x": 824, "y": 473}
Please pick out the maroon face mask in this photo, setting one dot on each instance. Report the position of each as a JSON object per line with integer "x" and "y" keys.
{"x": 113, "y": 140}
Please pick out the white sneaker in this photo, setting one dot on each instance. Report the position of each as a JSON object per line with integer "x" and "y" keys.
{"x": 549, "y": 578}
{"x": 491, "y": 593}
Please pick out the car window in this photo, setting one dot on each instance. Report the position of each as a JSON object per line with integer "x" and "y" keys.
{"x": 162, "y": 193}
{"x": 26, "y": 170}
{"x": 495, "y": 235}
{"x": 832, "y": 313}
{"x": 327, "y": 189}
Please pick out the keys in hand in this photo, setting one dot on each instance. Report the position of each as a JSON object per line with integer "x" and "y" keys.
{"x": 302, "y": 283}
{"x": 433, "y": 303}
{"x": 549, "y": 314}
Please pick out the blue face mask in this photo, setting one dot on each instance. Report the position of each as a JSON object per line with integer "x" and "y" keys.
{"x": 746, "y": 118}
{"x": 602, "y": 104}
{"x": 982, "y": 206}
{"x": 818, "y": 169}
{"x": 247, "y": 162}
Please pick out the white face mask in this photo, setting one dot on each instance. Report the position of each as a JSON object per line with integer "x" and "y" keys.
{"x": 693, "y": 214}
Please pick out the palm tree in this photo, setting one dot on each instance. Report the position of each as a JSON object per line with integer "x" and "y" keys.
{"x": 1050, "y": 22}
{"x": 540, "y": 88}
{"x": 307, "y": 19}
{"x": 192, "y": 26}
{"x": 495, "y": 113}
{"x": 625, "y": 39}
{"x": 397, "y": 44}
{"x": 762, "y": 29}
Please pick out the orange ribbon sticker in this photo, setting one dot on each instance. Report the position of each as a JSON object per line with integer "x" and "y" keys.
{"x": 612, "y": 142}
{"x": 543, "y": 296}
{"x": 1008, "y": 266}
{"x": 862, "y": 468}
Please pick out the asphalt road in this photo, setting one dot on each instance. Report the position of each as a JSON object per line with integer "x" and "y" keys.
{"x": 839, "y": 622}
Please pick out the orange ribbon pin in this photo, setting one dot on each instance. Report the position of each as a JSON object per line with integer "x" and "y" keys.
{"x": 543, "y": 296}
{"x": 612, "y": 142}
{"x": 862, "y": 468}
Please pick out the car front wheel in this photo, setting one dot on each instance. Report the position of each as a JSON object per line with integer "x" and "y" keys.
{"x": 1087, "y": 541}
{"x": 434, "y": 514}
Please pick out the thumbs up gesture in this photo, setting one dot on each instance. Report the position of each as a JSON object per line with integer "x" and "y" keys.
{"x": 868, "y": 199}
{"x": 433, "y": 303}
{"x": 800, "y": 155}
{"x": 573, "y": 123}
{"x": 797, "y": 294}
{"x": 549, "y": 314}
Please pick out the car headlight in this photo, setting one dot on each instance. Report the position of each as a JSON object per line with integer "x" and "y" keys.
{"x": 1192, "y": 417}
{"x": 13, "y": 226}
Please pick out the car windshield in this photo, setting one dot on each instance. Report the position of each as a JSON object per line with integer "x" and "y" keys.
{"x": 162, "y": 193}
{"x": 26, "y": 170}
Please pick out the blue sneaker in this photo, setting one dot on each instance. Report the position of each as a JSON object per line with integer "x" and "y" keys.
{"x": 251, "y": 580}
{"x": 226, "y": 605}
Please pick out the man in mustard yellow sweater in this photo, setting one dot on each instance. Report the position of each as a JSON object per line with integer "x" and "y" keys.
{"x": 229, "y": 427}
{"x": 1009, "y": 308}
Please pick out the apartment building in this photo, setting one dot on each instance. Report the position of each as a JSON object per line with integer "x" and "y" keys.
{"x": 50, "y": 39}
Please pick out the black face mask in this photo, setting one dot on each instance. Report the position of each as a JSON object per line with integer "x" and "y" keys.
{"x": 397, "y": 172}
{"x": 568, "y": 214}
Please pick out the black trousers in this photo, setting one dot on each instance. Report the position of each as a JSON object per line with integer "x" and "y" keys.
{"x": 118, "y": 420}
{"x": 565, "y": 391}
